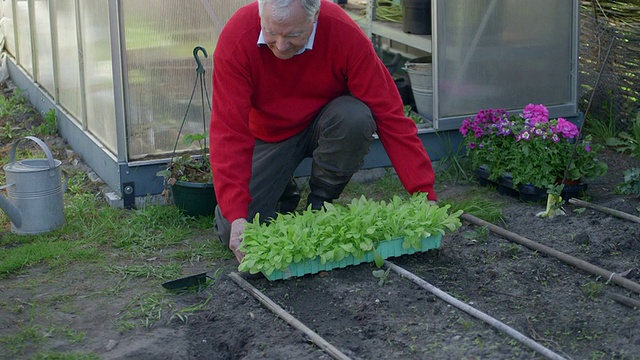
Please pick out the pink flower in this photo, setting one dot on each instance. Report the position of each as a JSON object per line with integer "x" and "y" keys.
{"x": 567, "y": 129}
{"x": 537, "y": 113}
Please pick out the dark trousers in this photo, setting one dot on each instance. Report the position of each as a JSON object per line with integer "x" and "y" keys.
{"x": 337, "y": 141}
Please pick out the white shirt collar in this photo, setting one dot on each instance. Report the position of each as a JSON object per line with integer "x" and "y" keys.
{"x": 309, "y": 44}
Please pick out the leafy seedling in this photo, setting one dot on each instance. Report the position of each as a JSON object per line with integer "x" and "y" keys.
{"x": 480, "y": 234}
{"x": 382, "y": 275}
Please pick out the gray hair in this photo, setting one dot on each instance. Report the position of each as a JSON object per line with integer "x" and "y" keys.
{"x": 281, "y": 10}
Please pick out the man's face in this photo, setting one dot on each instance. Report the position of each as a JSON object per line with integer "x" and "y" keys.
{"x": 286, "y": 37}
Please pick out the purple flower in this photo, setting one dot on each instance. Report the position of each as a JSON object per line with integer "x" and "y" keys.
{"x": 525, "y": 135}
{"x": 567, "y": 129}
{"x": 537, "y": 113}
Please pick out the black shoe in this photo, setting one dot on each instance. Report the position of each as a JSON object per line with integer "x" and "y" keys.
{"x": 290, "y": 198}
{"x": 317, "y": 202}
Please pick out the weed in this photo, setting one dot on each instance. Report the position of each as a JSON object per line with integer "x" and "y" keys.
{"x": 162, "y": 272}
{"x": 452, "y": 167}
{"x": 76, "y": 182}
{"x": 602, "y": 129}
{"x": 381, "y": 275}
{"x": 50, "y": 125}
{"x": 478, "y": 235}
{"x": 477, "y": 203}
{"x": 10, "y": 130}
{"x": 14, "y": 105}
{"x": 511, "y": 249}
{"x": 209, "y": 250}
{"x": 125, "y": 325}
{"x": 183, "y": 314}
{"x": 65, "y": 356}
{"x": 628, "y": 142}
{"x": 27, "y": 335}
{"x": 631, "y": 183}
{"x": 466, "y": 324}
{"x": 145, "y": 310}
{"x": 592, "y": 289}
{"x": 579, "y": 211}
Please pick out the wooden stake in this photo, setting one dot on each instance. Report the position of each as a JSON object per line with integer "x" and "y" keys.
{"x": 269, "y": 304}
{"x": 474, "y": 312}
{"x": 580, "y": 264}
{"x": 633, "y": 303}
{"x": 606, "y": 210}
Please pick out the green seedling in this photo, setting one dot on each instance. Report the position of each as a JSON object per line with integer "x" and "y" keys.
{"x": 478, "y": 235}
{"x": 381, "y": 275}
{"x": 341, "y": 231}
{"x": 592, "y": 289}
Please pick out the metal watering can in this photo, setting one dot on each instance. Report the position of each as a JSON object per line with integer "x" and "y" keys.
{"x": 34, "y": 201}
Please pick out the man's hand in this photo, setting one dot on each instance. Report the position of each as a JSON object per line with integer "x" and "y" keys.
{"x": 237, "y": 227}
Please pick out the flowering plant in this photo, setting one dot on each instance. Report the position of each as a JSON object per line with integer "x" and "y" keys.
{"x": 530, "y": 147}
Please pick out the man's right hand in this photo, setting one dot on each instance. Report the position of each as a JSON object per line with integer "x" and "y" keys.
{"x": 237, "y": 227}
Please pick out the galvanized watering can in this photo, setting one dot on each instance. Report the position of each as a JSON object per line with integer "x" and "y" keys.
{"x": 34, "y": 201}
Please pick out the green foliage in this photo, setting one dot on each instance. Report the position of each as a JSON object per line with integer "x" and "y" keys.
{"x": 161, "y": 272}
{"x": 478, "y": 203}
{"x": 631, "y": 184}
{"x": 341, "y": 231}
{"x": 14, "y": 105}
{"x": 50, "y": 125}
{"x": 412, "y": 115}
{"x": 381, "y": 275}
{"x": 601, "y": 129}
{"x": 10, "y": 131}
{"x": 628, "y": 142}
{"x": 190, "y": 168}
{"x": 592, "y": 289}
{"x": 479, "y": 234}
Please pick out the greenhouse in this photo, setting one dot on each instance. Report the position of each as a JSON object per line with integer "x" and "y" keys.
{"x": 122, "y": 75}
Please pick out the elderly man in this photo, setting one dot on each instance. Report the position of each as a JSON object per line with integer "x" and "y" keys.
{"x": 294, "y": 79}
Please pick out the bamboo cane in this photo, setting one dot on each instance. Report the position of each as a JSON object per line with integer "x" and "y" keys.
{"x": 580, "y": 264}
{"x": 475, "y": 312}
{"x": 264, "y": 300}
{"x": 606, "y": 210}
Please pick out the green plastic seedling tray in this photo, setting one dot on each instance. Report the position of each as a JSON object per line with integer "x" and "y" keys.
{"x": 386, "y": 249}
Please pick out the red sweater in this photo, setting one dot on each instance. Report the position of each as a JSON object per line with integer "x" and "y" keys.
{"x": 256, "y": 95}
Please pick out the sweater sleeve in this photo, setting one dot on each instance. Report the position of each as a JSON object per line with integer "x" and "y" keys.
{"x": 370, "y": 81}
{"x": 231, "y": 141}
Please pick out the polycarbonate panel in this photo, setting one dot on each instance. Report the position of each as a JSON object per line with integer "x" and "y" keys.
{"x": 24, "y": 36}
{"x": 68, "y": 62}
{"x": 503, "y": 54}
{"x": 98, "y": 72}
{"x": 45, "y": 62}
{"x": 160, "y": 36}
{"x": 7, "y": 27}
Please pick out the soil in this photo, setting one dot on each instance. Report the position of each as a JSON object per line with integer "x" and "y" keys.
{"x": 567, "y": 310}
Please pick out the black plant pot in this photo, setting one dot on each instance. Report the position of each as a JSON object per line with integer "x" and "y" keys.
{"x": 527, "y": 192}
{"x": 195, "y": 199}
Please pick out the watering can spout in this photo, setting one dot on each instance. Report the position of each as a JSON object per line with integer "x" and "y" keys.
{"x": 13, "y": 213}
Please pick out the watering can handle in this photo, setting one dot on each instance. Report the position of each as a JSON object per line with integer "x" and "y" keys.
{"x": 12, "y": 154}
